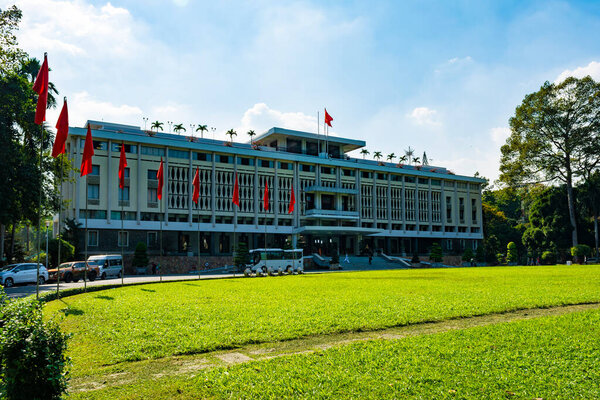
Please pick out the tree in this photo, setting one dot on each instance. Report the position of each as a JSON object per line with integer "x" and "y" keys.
{"x": 391, "y": 157}
{"x": 555, "y": 137}
{"x": 364, "y": 153}
{"x": 67, "y": 251}
{"x": 251, "y": 133}
{"x": 416, "y": 160}
{"x": 242, "y": 255}
{"x": 468, "y": 254}
{"x": 377, "y": 155}
{"x": 590, "y": 197}
{"x": 436, "y": 254}
{"x": 156, "y": 125}
{"x": 231, "y": 134}
{"x": 402, "y": 159}
{"x": 202, "y": 129}
{"x": 11, "y": 56}
{"x": 73, "y": 234}
{"x": 140, "y": 256}
{"x": 178, "y": 128}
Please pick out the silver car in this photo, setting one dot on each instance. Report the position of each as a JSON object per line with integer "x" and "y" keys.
{"x": 22, "y": 273}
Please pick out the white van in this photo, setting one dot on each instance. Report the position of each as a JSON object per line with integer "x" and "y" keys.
{"x": 274, "y": 262}
{"x": 111, "y": 265}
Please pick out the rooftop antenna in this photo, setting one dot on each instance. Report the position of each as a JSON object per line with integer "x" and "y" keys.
{"x": 424, "y": 159}
{"x": 410, "y": 152}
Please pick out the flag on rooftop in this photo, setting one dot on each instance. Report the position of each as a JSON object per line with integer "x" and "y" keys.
{"x": 328, "y": 118}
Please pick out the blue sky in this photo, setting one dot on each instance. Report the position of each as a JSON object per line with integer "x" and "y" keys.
{"x": 440, "y": 76}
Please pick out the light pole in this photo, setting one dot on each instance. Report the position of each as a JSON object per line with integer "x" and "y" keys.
{"x": 213, "y": 129}
{"x": 145, "y": 120}
{"x": 47, "y": 225}
{"x": 169, "y": 123}
{"x": 192, "y": 126}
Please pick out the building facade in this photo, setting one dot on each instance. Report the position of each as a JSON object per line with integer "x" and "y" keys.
{"x": 343, "y": 204}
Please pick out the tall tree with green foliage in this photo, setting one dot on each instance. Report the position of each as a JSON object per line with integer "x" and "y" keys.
{"x": 555, "y": 137}
{"x": 512, "y": 256}
{"x": 436, "y": 254}
{"x": 589, "y": 195}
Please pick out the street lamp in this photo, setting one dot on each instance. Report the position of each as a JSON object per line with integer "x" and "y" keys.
{"x": 192, "y": 126}
{"x": 47, "y": 225}
{"x": 169, "y": 123}
{"x": 145, "y": 120}
{"x": 213, "y": 129}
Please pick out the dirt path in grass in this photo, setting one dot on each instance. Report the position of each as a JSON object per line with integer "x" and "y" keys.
{"x": 137, "y": 372}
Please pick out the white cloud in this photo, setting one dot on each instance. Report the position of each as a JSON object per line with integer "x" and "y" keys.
{"x": 592, "y": 69}
{"x": 499, "y": 135}
{"x": 83, "y": 107}
{"x": 78, "y": 29}
{"x": 261, "y": 117}
{"x": 424, "y": 116}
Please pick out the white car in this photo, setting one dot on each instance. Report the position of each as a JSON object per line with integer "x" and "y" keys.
{"x": 22, "y": 273}
{"x": 109, "y": 264}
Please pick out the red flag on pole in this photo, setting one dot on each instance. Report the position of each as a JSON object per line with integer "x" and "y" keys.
{"x": 88, "y": 152}
{"x": 159, "y": 176}
{"x": 62, "y": 131}
{"x": 266, "y": 196}
{"x": 328, "y": 118}
{"x": 41, "y": 88}
{"x": 196, "y": 184}
{"x": 122, "y": 165}
{"x": 292, "y": 202}
{"x": 236, "y": 192}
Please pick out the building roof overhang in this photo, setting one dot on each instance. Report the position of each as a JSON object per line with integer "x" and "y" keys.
{"x": 277, "y": 133}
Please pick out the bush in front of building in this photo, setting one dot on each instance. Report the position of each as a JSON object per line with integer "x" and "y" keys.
{"x": 580, "y": 251}
{"x": 140, "y": 257}
{"x": 436, "y": 254}
{"x": 480, "y": 254}
{"x": 33, "y": 364}
{"x": 67, "y": 251}
{"x": 242, "y": 255}
{"x": 468, "y": 255}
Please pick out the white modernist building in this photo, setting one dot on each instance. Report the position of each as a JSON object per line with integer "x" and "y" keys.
{"x": 344, "y": 204}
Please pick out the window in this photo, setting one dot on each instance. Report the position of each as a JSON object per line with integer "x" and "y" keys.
{"x": 223, "y": 159}
{"x": 179, "y": 153}
{"x": 151, "y": 239}
{"x": 474, "y": 211}
{"x": 129, "y": 148}
{"x": 152, "y": 151}
{"x": 409, "y": 179}
{"x": 327, "y": 170}
{"x": 124, "y": 194}
{"x": 245, "y": 161}
{"x": 202, "y": 156}
{"x": 123, "y": 239}
{"x": 461, "y": 210}
{"x": 436, "y": 182}
{"x": 349, "y": 172}
{"x": 152, "y": 174}
{"x": 126, "y": 173}
{"x": 396, "y": 178}
{"x": 307, "y": 168}
{"x": 152, "y": 196}
{"x": 266, "y": 163}
{"x": 381, "y": 176}
{"x": 95, "y": 170}
{"x": 448, "y": 209}
{"x": 285, "y": 165}
{"x": 92, "y": 238}
{"x": 366, "y": 174}
{"x": 93, "y": 214}
{"x": 93, "y": 192}
{"x": 423, "y": 181}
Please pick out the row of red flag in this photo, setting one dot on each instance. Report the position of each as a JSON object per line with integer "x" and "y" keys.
{"x": 40, "y": 86}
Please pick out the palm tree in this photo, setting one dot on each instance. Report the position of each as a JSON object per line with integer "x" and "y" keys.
{"x": 377, "y": 155}
{"x": 391, "y": 157}
{"x": 202, "y": 129}
{"x": 402, "y": 159}
{"x": 231, "y": 134}
{"x": 178, "y": 128}
{"x": 156, "y": 125}
{"x": 416, "y": 160}
{"x": 251, "y": 133}
{"x": 364, "y": 152}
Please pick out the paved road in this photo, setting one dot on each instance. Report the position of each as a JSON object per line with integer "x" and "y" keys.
{"x": 26, "y": 290}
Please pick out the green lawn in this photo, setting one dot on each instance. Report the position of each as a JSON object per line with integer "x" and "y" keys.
{"x": 547, "y": 358}
{"x": 159, "y": 320}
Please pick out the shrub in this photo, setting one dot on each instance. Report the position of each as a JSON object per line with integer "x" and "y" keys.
{"x": 468, "y": 255}
{"x": 436, "y": 253}
{"x": 140, "y": 257}
{"x": 415, "y": 259}
{"x": 581, "y": 250}
{"x": 548, "y": 258}
{"x": 511, "y": 253}
{"x": 242, "y": 256}
{"x": 480, "y": 253}
{"x": 500, "y": 258}
{"x": 32, "y": 352}
{"x": 67, "y": 251}
{"x": 335, "y": 258}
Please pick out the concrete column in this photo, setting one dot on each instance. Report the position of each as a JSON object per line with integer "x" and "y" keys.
{"x": 403, "y": 205}
{"x": 138, "y": 184}
{"x": 78, "y": 185}
{"x": 235, "y": 208}
{"x": 358, "y": 197}
{"x": 443, "y": 206}
{"x": 190, "y": 188}
{"x": 275, "y": 197}
{"x": 455, "y": 211}
{"x": 468, "y": 207}
{"x": 108, "y": 183}
{"x": 213, "y": 192}
{"x": 374, "y": 199}
{"x": 389, "y": 202}
{"x": 166, "y": 177}
{"x": 417, "y": 206}
{"x": 256, "y": 202}
{"x": 429, "y": 206}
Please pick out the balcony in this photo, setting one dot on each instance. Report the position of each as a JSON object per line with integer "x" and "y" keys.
{"x": 325, "y": 189}
{"x": 334, "y": 214}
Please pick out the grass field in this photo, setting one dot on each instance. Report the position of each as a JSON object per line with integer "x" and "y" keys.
{"x": 543, "y": 358}
{"x": 162, "y": 320}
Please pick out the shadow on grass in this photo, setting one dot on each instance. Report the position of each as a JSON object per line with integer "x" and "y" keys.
{"x": 71, "y": 311}
{"x": 104, "y": 297}
{"x": 148, "y": 290}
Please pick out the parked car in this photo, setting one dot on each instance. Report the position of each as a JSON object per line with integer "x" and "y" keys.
{"x": 73, "y": 271}
{"x": 22, "y": 273}
{"x": 109, "y": 265}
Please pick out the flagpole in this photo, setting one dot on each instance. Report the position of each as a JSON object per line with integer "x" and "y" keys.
{"x": 60, "y": 166}
{"x": 37, "y": 281}
{"x": 198, "y": 209}
{"x": 122, "y": 237}
{"x": 86, "y": 235}
{"x": 318, "y": 133}
{"x": 160, "y": 218}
